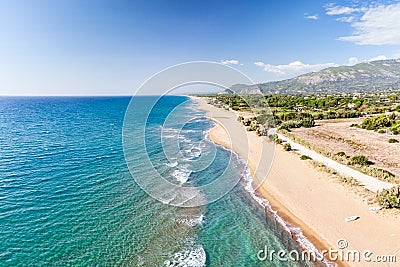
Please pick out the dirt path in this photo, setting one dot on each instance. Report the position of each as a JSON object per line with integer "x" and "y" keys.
{"x": 367, "y": 181}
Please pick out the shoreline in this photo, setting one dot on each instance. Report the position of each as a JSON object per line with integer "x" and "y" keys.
{"x": 274, "y": 205}
{"x": 283, "y": 198}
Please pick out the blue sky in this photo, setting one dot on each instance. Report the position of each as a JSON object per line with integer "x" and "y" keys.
{"x": 94, "y": 47}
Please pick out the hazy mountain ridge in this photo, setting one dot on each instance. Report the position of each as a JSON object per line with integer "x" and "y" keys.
{"x": 382, "y": 75}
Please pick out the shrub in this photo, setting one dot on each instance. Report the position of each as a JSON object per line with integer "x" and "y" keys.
{"x": 341, "y": 154}
{"x": 287, "y": 147}
{"x": 266, "y": 119}
{"x": 291, "y": 124}
{"x": 359, "y": 160}
{"x": 247, "y": 121}
{"x": 382, "y": 174}
{"x": 376, "y": 123}
{"x": 381, "y": 131}
{"x": 284, "y": 126}
{"x": 378, "y": 173}
{"x": 253, "y": 126}
{"x": 305, "y": 157}
{"x": 392, "y": 140}
{"x": 262, "y": 130}
{"x": 389, "y": 198}
{"x": 273, "y": 137}
{"x": 395, "y": 129}
{"x": 392, "y": 116}
{"x": 308, "y": 122}
{"x": 236, "y": 108}
{"x": 349, "y": 180}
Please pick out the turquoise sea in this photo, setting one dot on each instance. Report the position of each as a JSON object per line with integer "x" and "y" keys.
{"x": 67, "y": 197}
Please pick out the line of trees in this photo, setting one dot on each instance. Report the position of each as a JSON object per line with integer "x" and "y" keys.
{"x": 382, "y": 122}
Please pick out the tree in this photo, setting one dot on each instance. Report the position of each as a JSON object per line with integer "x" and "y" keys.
{"x": 376, "y": 123}
{"x": 395, "y": 129}
{"x": 308, "y": 122}
{"x": 359, "y": 160}
{"x": 287, "y": 147}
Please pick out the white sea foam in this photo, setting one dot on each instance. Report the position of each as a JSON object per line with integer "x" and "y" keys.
{"x": 195, "y": 257}
{"x": 169, "y": 133}
{"x": 184, "y": 139}
{"x": 191, "y": 221}
{"x": 193, "y": 152}
{"x": 295, "y": 232}
{"x": 308, "y": 246}
{"x": 168, "y": 201}
{"x": 168, "y": 136}
{"x": 169, "y": 130}
{"x": 182, "y": 174}
{"x": 200, "y": 119}
{"x": 172, "y": 164}
{"x": 196, "y": 152}
{"x": 188, "y": 131}
{"x": 199, "y": 220}
{"x": 103, "y": 156}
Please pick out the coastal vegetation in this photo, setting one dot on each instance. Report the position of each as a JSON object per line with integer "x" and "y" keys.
{"x": 383, "y": 123}
{"x": 389, "y": 198}
{"x": 304, "y": 157}
{"x": 287, "y": 113}
{"x": 340, "y": 154}
{"x": 287, "y": 147}
{"x": 341, "y": 178}
{"x": 295, "y": 111}
{"x": 275, "y": 138}
{"x": 358, "y": 162}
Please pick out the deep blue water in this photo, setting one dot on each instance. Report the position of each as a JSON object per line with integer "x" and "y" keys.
{"x": 67, "y": 197}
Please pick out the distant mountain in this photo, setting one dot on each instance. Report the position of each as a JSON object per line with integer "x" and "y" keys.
{"x": 246, "y": 89}
{"x": 382, "y": 75}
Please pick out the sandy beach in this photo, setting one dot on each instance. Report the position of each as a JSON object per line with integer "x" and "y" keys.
{"x": 307, "y": 198}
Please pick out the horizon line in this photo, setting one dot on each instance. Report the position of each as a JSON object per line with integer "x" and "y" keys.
{"x": 61, "y": 95}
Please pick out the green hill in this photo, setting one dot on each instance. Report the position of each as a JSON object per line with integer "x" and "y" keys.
{"x": 382, "y": 75}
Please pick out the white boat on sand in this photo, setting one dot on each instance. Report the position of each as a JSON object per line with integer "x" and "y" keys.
{"x": 351, "y": 218}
